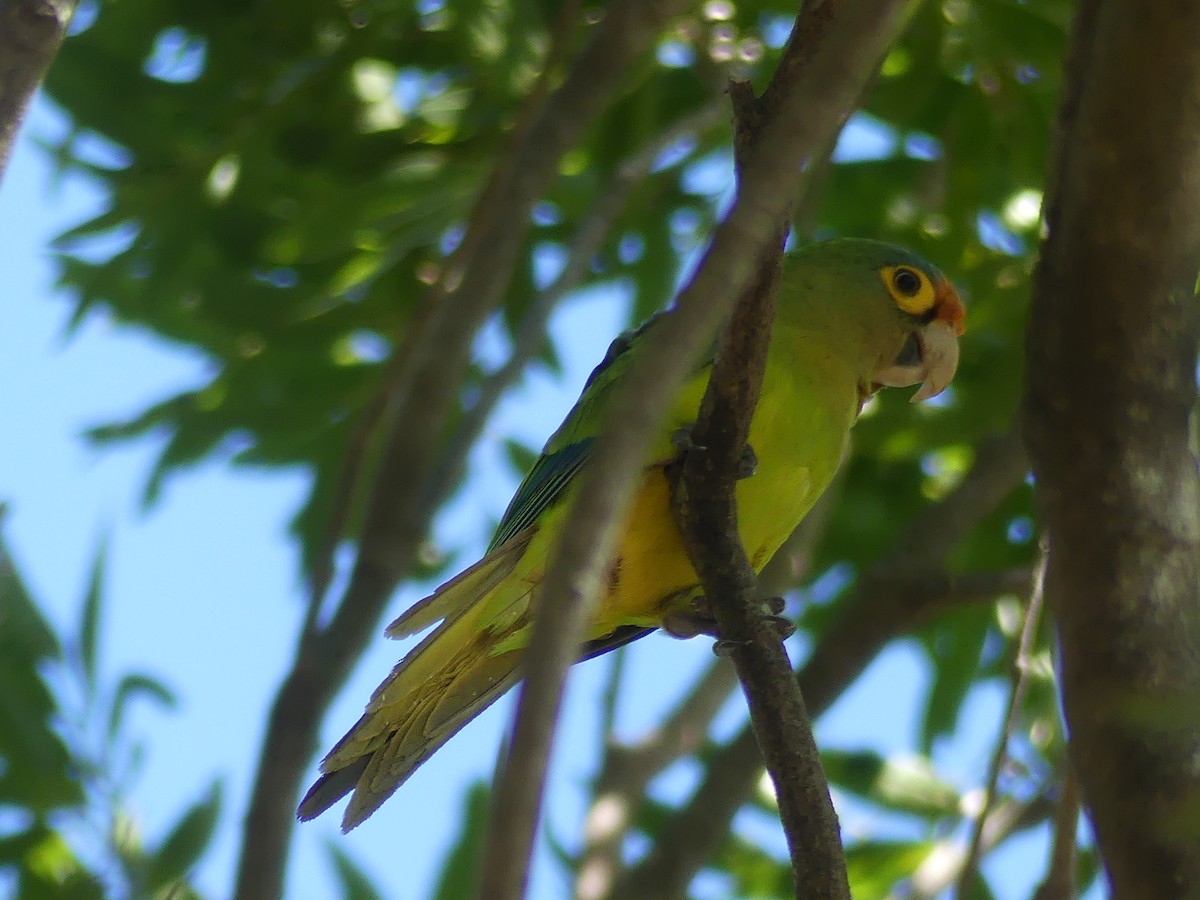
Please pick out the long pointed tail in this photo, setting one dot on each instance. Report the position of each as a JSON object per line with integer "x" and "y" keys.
{"x": 402, "y": 729}
{"x": 458, "y": 670}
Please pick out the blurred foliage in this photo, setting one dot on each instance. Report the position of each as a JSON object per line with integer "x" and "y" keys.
{"x": 284, "y": 179}
{"x": 66, "y": 763}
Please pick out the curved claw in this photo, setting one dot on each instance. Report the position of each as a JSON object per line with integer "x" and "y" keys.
{"x": 785, "y": 627}
{"x": 724, "y": 648}
{"x": 748, "y": 463}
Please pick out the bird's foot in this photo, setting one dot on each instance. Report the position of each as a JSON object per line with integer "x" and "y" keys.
{"x": 748, "y": 463}
{"x": 783, "y": 626}
{"x": 683, "y": 443}
{"x": 690, "y": 623}
{"x": 724, "y": 649}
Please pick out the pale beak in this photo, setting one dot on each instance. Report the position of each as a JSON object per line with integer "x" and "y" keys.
{"x": 930, "y": 355}
{"x": 929, "y": 358}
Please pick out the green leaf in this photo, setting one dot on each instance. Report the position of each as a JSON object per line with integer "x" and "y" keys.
{"x": 134, "y": 685}
{"x": 906, "y": 785}
{"x": 45, "y": 867}
{"x": 460, "y": 869}
{"x": 354, "y": 881}
{"x": 520, "y": 456}
{"x": 756, "y": 874}
{"x": 186, "y": 842}
{"x": 89, "y": 625}
{"x": 36, "y": 771}
{"x": 954, "y": 644}
{"x": 875, "y": 867}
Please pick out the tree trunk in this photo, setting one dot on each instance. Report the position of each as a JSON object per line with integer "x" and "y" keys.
{"x": 1109, "y": 417}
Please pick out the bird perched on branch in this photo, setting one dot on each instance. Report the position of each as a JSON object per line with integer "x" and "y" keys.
{"x": 851, "y": 316}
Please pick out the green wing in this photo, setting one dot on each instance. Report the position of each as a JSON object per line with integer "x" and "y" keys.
{"x": 567, "y": 450}
{"x": 566, "y": 453}
{"x": 543, "y": 485}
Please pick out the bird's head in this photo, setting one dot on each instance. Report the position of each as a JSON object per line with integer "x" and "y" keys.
{"x": 901, "y": 314}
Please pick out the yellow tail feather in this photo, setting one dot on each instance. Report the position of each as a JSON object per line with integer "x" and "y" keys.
{"x": 455, "y": 596}
{"x": 450, "y": 677}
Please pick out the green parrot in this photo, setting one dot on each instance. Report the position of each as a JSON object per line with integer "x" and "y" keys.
{"x": 851, "y": 316}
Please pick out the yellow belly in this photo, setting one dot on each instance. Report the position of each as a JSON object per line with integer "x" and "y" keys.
{"x": 652, "y": 572}
{"x": 799, "y": 446}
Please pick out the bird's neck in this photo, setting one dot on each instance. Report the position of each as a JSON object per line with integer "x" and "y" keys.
{"x": 816, "y": 361}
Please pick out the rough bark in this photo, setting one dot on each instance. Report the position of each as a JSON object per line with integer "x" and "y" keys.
{"x": 703, "y": 492}
{"x": 1109, "y": 415}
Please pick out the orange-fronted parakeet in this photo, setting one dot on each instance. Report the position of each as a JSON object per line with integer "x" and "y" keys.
{"x": 851, "y": 316}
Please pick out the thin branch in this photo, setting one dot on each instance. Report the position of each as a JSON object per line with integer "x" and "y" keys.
{"x": 1022, "y": 659}
{"x": 945, "y": 864}
{"x": 401, "y": 503}
{"x": 588, "y": 240}
{"x": 900, "y": 592}
{"x": 626, "y": 771}
{"x": 854, "y": 36}
{"x": 1059, "y": 883}
{"x": 31, "y": 32}
{"x": 703, "y": 492}
{"x": 382, "y": 411}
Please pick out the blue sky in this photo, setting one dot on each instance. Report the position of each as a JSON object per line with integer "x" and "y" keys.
{"x": 203, "y": 589}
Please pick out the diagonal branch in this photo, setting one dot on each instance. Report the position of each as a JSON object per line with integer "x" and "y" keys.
{"x": 849, "y": 37}
{"x": 587, "y": 242}
{"x": 626, "y": 771}
{"x": 381, "y": 412}
{"x": 431, "y": 367}
{"x": 1022, "y": 659}
{"x": 1059, "y": 883}
{"x": 946, "y": 863}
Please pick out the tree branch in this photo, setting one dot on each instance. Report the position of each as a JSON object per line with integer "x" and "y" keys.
{"x": 1059, "y": 883}
{"x": 703, "y": 493}
{"x": 1110, "y": 398}
{"x": 946, "y": 864}
{"x": 627, "y": 770}
{"x": 531, "y": 333}
{"x": 30, "y": 34}
{"x": 431, "y": 368}
{"x": 854, "y": 34}
{"x": 1022, "y": 654}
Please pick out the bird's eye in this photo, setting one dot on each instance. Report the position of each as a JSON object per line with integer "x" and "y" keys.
{"x": 910, "y": 288}
{"x": 907, "y": 282}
